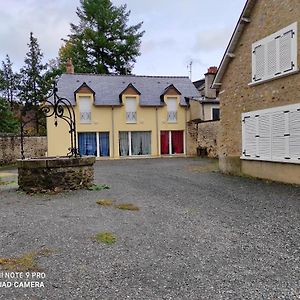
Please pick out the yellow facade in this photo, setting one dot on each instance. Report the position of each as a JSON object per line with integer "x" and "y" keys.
{"x": 112, "y": 119}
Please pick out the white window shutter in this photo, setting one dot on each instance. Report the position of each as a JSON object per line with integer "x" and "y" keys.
{"x": 275, "y": 55}
{"x": 285, "y": 51}
{"x": 294, "y": 128}
{"x": 272, "y": 57}
{"x": 272, "y": 134}
{"x": 265, "y": 136}
{"x": 259, "y": 62}
{"x": 250, "y": 132}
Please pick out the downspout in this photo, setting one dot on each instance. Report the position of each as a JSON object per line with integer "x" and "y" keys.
{"x": 185, "y": 132}
{"x": 157, "y": 133}
{"x": 113, "y": 131}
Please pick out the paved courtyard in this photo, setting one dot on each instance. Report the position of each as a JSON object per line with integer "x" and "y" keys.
{"x": 198, "y": 235}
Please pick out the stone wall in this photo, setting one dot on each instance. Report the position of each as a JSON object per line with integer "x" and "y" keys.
{"x": 10, "y": 147}
{"x": 236, "y": 96}
{"x": 55, "y": 174}
{"x": 202, "y": 138}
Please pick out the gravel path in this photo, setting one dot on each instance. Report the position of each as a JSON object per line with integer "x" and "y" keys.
{"x": 197, "y": 235}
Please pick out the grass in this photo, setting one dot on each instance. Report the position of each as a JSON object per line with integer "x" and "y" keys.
{"x": 98, "y": 187}
{"x": 24, "y": 263}
{"x": 127, "y": 206}
{"x": 105, "y": 237}
{"x": 7, "y": 182}
{"x": 4, "y": 174}
{"x": 104, "y": 202}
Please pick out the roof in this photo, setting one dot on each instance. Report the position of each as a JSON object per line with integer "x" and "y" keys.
{"x": 207, "y": 100}
{"x": 228, "y": 55}
{"x": 107, "y": 88}
{"x": 199, "y": 83}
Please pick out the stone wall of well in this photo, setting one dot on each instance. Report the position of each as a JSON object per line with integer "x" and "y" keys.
{"x": 10, "y": 147}
{"x": 237, "y": 96}
{"x": 55, "y": 174}
{"x": 202, "y": 137}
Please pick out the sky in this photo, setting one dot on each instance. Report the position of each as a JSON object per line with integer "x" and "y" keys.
{"x": 176, "y": 31}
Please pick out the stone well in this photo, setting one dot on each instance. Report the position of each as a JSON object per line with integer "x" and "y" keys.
{"x": 55, "y": 173}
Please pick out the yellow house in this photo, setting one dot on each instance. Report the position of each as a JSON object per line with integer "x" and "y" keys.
{"x": 124, "y": 116}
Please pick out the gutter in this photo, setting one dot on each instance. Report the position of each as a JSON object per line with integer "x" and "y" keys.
{"x": 229, "y": 52}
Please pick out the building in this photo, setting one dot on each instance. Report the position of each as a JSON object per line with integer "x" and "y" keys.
{"x": 124, "y": 116}
{"x": 207, "y": 106}
{"x": 258, "y": 79}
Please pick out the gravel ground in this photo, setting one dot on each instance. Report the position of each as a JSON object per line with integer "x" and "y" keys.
{"x": 197, "y": 235}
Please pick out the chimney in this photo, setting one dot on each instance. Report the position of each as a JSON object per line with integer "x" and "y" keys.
{"x": 212, "y": 70}
{"x": 209, "y": 77}
{"x": 69, "y": 66}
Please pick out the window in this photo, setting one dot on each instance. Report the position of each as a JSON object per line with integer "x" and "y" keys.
{"x": 93, "y": 143}
{"x": 171, "y": 142}
{"x": 134, "y": 143}
{"x": 272, "y": 134}
{"x": 275, "y": 55}
{"x": 85, "y": 109}
{"x": 172, "y": 110}
{"x": 215, "y": 114}
{"x": 130, "y": 106}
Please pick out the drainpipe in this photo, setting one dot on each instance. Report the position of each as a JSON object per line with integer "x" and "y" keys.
{"x": 113, "y": 131}
{"x": 185, "y": 132}
{"x": 157, "y": 133}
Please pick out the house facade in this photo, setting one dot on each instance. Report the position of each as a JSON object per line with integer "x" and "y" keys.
{"x": 207, "y": 106}
{"x": 124, "y": 116}
{"x": 258, "y": 79}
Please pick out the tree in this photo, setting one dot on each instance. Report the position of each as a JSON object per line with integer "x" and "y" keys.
{"x": 35, "y": 82}
{"x": 33, "y": 87}
{"x": 102, "y": 43}
{"x": 9, "y": 82}
{"x": 9, "y": 123}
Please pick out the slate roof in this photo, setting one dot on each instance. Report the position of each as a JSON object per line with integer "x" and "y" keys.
{"x": 107, "y": 88}
{"x": 199, "y": 83}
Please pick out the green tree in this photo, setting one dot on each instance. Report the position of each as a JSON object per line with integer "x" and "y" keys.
{"x": 33, "y": 86}
{"x": 9, "y": 123}
{"x": 102, "y": 43}
{"x": 9, "y": 82}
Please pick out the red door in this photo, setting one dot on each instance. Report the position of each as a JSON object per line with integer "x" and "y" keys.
{"x": 177, "y": 142}
{"x": 164, "y": 142}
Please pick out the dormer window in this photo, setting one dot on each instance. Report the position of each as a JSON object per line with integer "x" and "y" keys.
{"x": 85, "y": 109}
{"x": 171, "y": 110}
{"x": 130, "y": 104}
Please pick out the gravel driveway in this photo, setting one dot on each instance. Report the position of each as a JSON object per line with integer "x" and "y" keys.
{"x": 198, "y": 235}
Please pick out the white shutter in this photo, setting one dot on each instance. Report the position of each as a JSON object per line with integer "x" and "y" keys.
{"x": 275, "y": 55}
{"x": 265, "y": 136}
{"x": 85, "y": 109}
{"x": 294, "y": 127}
{"x": 285, "y": 51}
{"x": 249, "y": 132}
{"x": 272, "y": 134}
{"x": 259, "y": 63}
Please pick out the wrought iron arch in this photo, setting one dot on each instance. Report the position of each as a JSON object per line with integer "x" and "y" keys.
{"x": 57, "y": 107}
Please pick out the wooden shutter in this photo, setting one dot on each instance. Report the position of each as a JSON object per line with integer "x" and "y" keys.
{"x": 285, "y": 51}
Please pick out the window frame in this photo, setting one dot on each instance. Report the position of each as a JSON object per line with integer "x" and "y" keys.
{"x": 89, "y": 99}
{"x": 131, "y": 113}
{"x": 172, "y": 113}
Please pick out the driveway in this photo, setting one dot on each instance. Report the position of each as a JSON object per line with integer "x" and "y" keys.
{"x": 198, "y": 234}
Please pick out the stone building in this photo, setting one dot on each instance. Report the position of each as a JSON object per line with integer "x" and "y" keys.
{"x": 258, "y": 79}
{"x": 205, "y": 107}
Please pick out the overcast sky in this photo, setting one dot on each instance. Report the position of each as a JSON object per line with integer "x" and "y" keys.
{"x": 177, "y": 31}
